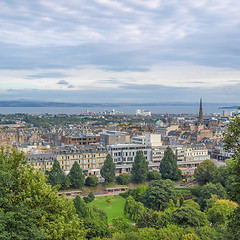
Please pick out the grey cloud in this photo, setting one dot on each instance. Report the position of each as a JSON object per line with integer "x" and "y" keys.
{"x": 126, "y": 68}
{"x": 46, "y": 75}
{"x": 107, "y": 81}
{"x": 63, "y": 82}
{"x": 137, "y": 93}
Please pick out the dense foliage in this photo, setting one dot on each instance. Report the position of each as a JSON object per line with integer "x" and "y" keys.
{"x": 139, "y": 168}
{"x": 154, "y": 175}
{"x": 123, "y": 179}
{"x": 76, "y": 176}
{"x": 158, "y": 194}
{"x": 91, "y": 181}
{"x": 205, "y": 172}
{"x": 29, "y": 208}
{"x": 168, "y": 166}
{"x": 57, "y": 177}
{"x": 108, "y": 169}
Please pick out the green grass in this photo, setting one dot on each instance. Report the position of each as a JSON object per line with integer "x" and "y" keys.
{"x": 113, "y": 209}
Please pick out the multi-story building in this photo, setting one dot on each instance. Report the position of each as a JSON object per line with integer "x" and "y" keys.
{"x": 189, "y": 156}
{"x": 90, "y": 158}
{"x": 150, "y": 140}
{"x": 78, "y": 139}
{"x": 42, "y": 161}
{"x": 112, "y": 137}
{"x": 164, "y": 130}
{"x": 125, "y": 153}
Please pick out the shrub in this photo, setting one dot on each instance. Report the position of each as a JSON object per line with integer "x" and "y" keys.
{"x": 123, "y": 179}
{"x": 109, "y": 200}
{"x": 154, "y": 175}
{"x": 91, "y": 181}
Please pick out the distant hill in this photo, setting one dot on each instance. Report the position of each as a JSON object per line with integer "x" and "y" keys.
{"x": 30, "y": 103}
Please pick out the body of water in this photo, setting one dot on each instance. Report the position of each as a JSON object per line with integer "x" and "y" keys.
{"x": 125, "y": 109}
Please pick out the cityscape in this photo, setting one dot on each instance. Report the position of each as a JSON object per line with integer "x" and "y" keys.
{"x": 192, "y": 138}
{"x": 119, "y": 120}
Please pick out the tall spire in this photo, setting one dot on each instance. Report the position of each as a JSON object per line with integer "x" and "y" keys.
{"x": 200, "y": 119}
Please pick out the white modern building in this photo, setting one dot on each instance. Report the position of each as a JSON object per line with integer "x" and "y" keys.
{"x": 150, "y": 140}
{"x": 125, "y": 153}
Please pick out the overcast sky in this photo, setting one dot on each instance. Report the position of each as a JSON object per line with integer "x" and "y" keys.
{"x": 120, "y": 51}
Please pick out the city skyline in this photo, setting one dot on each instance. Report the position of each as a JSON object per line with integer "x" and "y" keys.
{"x": 120, "y": 51}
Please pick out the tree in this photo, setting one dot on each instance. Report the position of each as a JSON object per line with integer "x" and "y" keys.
{"x": 138, "y": 192}
{"x": 189, "y": 217}
{"x": 108, "y": 169}
{"x": 139, "y": 168}
{"x": 154, "y": 175}
{"x": 76, "y": 176}
{"x": 121, "y": 224}
{"x": 91, "y": 181}
{"x": 207, "y": 191}
{"x": 232, "y": 144}
{"x": 205, "y": 172}
{"x": 94, "y": 220}
{"x": 29, "y": 201}
{"x": 57, "y": 177}
{"x": 168, "y": 166}
{"x": 123, "y": 179}
{"x": 96, "y": 224}
{"x": 81, "y": 207}
{"x": 190, "y": 203}
{"x": 20, "y": 223}
{"x": 89, "y": 198}
{"x": 220, "y": 211}
{"x": 158, "y": 194}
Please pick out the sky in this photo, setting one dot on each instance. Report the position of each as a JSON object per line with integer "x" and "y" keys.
{"x": 107, "y": 51}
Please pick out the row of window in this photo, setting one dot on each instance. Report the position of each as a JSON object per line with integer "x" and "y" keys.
{"x": 83, "y": 156}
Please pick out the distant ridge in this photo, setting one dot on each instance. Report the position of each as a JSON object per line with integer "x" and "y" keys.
{"x": 30, "y": 103}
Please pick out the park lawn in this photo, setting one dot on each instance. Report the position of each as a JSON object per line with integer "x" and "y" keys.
{"x": 114, "y": 209}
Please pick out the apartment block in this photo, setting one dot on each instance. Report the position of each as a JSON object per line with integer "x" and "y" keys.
{"x": 113, "y": 137}
{"x": 125, "y": 153}
{"x": 77, "y": 139}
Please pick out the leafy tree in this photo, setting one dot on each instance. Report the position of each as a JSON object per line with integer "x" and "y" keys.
{"x": 190, "y": 203}
{"x": 94, "y": 220}
{"x": 233, "y": 225}
{"x": 121, "y": 224}
{"x": 168, "y": 166}
{"x": 232, "y": 144}
{"x": 149, "y": 218}
{"x": 186, "y": 216}
{"x": 138, "y": 192}
{"x": 57, "y": 177}
{"x": 76, "y": 176}
{"x": 96, "y": 224}
{"x": 91, "y": 181}
{"x": 139, "y": 168}
{"x": 158, "y": 194}
{"x": 123, "y": 179}
{"x": 133, "y": 208}
{"x": 207, "y": 191}
{"x": 20, "y": 223}
{"x": 91, "y": 195}
{"x": 205, "y": 172}
{"x": 29, "y": 201}
{"x": 220, "y": 211}
{"x": 154, "y": 175}
{"x": 181, "y": 200}
{"x": 81, "y": 207}
{"x": 108, "y": 169}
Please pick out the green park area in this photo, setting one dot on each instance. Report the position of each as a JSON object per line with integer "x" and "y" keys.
{"x": 113, "y": 209}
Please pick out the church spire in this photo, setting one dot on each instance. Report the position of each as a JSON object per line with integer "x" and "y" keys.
{"x": 200, "y": 119}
